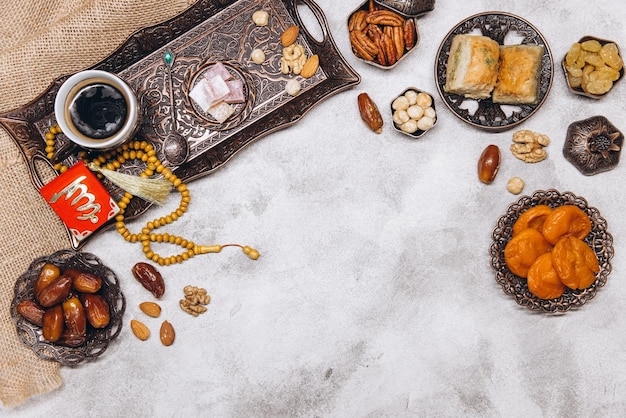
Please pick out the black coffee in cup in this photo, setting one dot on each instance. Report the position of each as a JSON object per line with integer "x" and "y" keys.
{"x": 98, "y": 110}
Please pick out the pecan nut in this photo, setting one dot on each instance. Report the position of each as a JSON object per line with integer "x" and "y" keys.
{"x": 363, "y": 45}
{"x": 357, "y": 21}
{"x": 410, "y": 33}
{"x": 385, "y": 18}
{"x": 387, "y": 54}
{"x": 397, "y": 34}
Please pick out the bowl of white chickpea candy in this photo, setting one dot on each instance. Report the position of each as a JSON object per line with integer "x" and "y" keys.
{"x": 413, "y": 112}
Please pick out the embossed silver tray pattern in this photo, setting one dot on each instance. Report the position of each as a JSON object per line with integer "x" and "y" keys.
{"x": 98, "y": 339}
{"x": 208, "y": 31}
{"x": 488, "y": 115}
{"x": 600, "y": 240}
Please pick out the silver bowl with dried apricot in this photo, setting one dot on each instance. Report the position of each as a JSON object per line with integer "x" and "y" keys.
{"x": 67, "y": 307}
{"x": 592, "y": 66}
{"x": 551, "y": 251}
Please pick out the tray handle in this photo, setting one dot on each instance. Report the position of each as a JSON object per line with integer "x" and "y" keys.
{"x": 321, "y": 20}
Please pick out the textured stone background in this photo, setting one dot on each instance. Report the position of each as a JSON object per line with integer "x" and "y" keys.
{"x": 373, "y": 295}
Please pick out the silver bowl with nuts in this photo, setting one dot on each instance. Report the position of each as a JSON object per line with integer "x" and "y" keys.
{"x": 413, "y": 112}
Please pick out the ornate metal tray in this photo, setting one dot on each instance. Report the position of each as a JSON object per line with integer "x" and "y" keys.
{"x": 98, "y": 339}
{"x": 208, "y": 31}
{"x": 488, "y": 115}
{"x": 600, "y": 240}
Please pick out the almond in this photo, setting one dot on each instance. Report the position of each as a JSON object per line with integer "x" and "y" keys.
{"x": 290, "y": 35}
{"x": 139, "y": 329}
{"x": 310, "y": 66}
{"x": 167, "y": 333}
{"x": 150, "y": 308}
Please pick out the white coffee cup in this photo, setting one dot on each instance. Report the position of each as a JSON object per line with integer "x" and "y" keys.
{"x": 96, "y": 109}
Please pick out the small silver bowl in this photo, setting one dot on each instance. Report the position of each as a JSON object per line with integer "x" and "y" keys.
{"x": 571, "y": 78}
{"x": 413, "y": 112}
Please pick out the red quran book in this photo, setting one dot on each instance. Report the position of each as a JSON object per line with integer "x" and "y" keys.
{"x": 80, "y": 200}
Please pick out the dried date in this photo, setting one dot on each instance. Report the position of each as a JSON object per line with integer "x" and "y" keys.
{"x": 55, "y": 292}
{"x": 96, "y": 309}
{"x": 370, "y": 113}
{"x": 149, "y": 278}
{"x": 53, "y": 323}
{"x": 31, "y": 311}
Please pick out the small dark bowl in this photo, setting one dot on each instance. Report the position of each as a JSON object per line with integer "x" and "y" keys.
{"x": 366, "y": 6}
{"x": 97, "y": 339}
{"x": 419, "y": 133}
{"x": 579, "y": 90}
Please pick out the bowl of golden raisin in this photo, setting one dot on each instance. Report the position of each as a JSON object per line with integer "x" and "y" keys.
{"x": 551, "y": 251}
{"x": 593, "y": 66}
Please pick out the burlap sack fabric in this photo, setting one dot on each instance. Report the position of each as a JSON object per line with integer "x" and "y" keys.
{"x": 41, "y": 40}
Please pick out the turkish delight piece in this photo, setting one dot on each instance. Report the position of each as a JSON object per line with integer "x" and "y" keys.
{"x": 221, "y": 111}
{"x": 218, "y": 69}
{"x": 201, "y": 94}
{"x": 236, "y": 92}
{"x": 219, "y": 88}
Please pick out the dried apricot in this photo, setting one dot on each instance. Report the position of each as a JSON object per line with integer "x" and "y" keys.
{"x": 575, "y": 263}
{"x": 543, "y": 280}
{"x": 523, "y": 249}
{"x": 532, "y": 218}
{"x": 565, "y": 221}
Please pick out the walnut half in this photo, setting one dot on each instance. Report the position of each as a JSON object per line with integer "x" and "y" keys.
{"x": 529, "y": 146}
